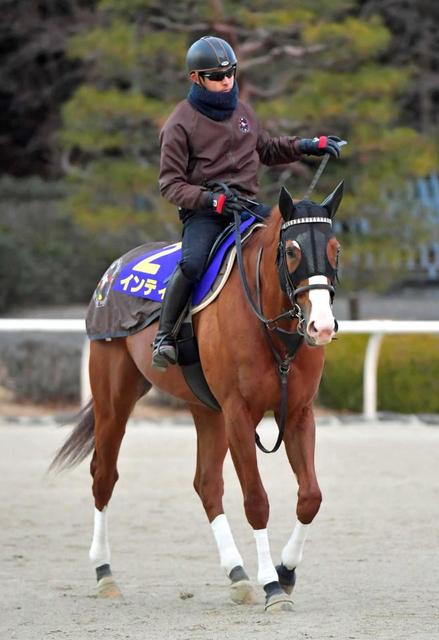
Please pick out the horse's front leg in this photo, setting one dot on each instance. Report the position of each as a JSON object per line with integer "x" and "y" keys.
{"x": 208, "y": 483}
{"x": 299, "y": 442}
{"x": 240, "y": 429}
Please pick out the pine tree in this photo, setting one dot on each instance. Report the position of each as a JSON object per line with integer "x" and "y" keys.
{"x": 308, "y": 68}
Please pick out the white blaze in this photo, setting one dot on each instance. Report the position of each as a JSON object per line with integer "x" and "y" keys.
{"x": 321, "y": 322}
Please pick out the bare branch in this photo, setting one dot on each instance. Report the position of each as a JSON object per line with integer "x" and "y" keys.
{"x": 278, "y": 89}
{"x": 69, "y": 168}
{"x": 251, "y": 47}
{"x": 287, "y": 50}
{"x": 165, "y": 23}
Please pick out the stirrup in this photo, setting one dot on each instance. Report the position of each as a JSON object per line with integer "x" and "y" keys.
{"x": 164, "y": 354}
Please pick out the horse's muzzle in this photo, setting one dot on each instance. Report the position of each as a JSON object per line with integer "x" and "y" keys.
{"x": 319, "y": 334}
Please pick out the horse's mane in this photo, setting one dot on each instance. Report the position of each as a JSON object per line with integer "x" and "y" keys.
{"x": 270, "y": 232}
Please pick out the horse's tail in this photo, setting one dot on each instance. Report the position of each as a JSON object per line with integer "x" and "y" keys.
{"x": 79, "y": 443}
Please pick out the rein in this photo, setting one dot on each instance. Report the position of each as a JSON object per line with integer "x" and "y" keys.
{"x": 291, "y": 339}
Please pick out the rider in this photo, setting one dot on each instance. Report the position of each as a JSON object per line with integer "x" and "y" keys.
{"x": 212, "y": 137}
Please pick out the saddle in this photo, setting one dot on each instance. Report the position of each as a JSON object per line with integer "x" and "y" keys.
{"x": 128, "y": 297}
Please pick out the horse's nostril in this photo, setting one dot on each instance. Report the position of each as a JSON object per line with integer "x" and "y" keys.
{"x": 322, "y": 331}
{"x": 312, "y": 328}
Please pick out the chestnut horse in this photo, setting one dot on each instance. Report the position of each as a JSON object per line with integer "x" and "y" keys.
{"x": 249, "y": 352}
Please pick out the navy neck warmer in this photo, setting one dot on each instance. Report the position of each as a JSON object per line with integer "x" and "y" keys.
{"x": 216, "y": 106}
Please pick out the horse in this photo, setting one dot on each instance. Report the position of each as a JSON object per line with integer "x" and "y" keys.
{"x": 261, "y": 351}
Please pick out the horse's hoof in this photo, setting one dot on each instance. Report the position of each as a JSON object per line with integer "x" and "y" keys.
{"x": 287, "y": 578}
{"x": 279, "y": 602}
{"x": 243, "y": 592}
{"x": 107, "y": 588}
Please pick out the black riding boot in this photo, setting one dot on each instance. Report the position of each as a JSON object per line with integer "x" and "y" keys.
{"x": 177, "y": 294}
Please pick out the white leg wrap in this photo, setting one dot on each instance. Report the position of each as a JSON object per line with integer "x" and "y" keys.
{"x": 100, "y": 549}
{"x": 293, "y": 551}
{"x": 266, "y": 569}
{"x": 228, "y": 552}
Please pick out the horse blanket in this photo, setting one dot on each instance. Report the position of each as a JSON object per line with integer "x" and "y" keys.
{"x": 128, "y": 297}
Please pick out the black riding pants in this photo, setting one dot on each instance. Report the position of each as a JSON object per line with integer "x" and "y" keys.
{"x": 200, "y": 230}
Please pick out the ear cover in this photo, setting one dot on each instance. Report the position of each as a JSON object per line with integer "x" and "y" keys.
{"x": 286, "y": 205}
{"x": 332, "y": 202}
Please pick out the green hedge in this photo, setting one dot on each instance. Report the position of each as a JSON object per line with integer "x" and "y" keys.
{"x": 408, "y": 374}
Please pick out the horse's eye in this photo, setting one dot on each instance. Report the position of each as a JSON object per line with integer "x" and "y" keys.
{"x": 291, "y": 253}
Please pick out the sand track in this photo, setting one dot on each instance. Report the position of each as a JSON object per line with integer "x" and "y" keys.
{"x": 369, "y": 571}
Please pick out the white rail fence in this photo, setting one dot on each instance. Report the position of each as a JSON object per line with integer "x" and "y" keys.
{"x": 376, "y": 329}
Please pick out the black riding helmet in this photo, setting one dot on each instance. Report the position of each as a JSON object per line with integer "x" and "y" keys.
{"x": 210, "y": 53}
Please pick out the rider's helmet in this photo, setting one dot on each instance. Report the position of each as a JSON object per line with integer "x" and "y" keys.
{"x": 210, "y": 54}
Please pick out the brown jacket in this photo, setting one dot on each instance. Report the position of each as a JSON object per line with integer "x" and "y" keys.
{"x": 196, "y": 150}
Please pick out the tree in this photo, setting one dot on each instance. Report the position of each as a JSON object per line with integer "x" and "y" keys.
{"x": 308, "y": 68}
{"x": 36, "y": 77}
{"x": 414, "y": 44}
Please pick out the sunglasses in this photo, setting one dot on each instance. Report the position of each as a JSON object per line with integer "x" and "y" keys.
{"x": 218, "y": 76}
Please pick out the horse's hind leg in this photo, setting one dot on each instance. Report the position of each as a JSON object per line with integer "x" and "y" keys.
{"x": 116, "y": 385}
{"x": 299, "y": 442}
{"x": 209, "y": 485}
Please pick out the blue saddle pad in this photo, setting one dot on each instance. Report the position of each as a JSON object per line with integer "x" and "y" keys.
{"x": 146, "y": 276}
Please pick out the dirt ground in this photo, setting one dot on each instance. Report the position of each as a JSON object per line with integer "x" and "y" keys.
{"x": 370, "y": 564}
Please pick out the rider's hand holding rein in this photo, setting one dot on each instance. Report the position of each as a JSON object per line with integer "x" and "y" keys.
{"x": 321, "y": 145}
{"x": 225, "y": 204}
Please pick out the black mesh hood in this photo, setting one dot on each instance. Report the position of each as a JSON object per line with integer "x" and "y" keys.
{"x": 312, "y": 239}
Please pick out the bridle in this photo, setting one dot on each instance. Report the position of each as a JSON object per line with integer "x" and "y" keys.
{"x": 291, "y": 339}
{"x": 285, "y": 278}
